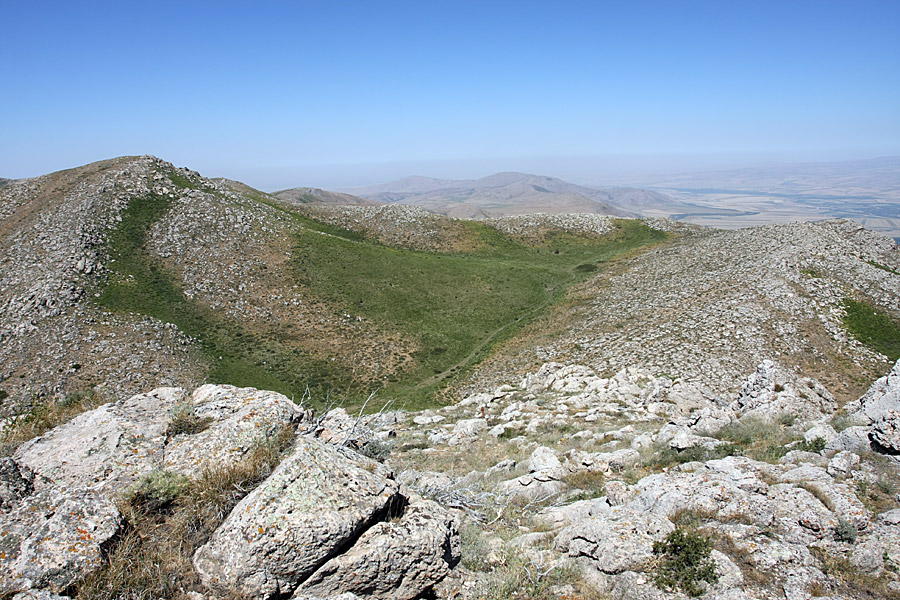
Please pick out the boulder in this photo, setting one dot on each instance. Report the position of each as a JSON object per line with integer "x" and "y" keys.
{"x": 238, "y": 419}
{"x": 337, "y": 427}
{"x": 108, "y": 448}
{"x": 882, "y": 396}
{"x": 466, "y": 431}
{"x": 885, "y": 433}
{"x": 543, "y": 459}
{"x": 397, "y": 560}
{"x": 111, "y": 447}
{"x": 316, "y": 504}
{"x": 619, "y": 540}
{"x": 54, "y": 537}
{"x": 772, "y": 391}
{"x": 853, "y": 439}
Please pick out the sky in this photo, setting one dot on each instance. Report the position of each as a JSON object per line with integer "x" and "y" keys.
{"x": 340, "y": 93}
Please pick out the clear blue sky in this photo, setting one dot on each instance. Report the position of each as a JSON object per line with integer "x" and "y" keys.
{"x": 347, "y": 92}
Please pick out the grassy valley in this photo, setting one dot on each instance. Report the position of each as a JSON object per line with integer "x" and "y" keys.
{"x": 453, "y": 305}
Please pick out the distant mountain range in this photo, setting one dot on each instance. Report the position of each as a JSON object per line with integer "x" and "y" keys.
{"x": 505, "y": 194}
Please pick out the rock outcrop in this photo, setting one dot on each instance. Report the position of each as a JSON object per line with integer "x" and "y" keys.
{"x": 315, "y": 505}
{"x": 327, "y": 517}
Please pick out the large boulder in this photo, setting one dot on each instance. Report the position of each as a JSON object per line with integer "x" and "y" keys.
{"x": 111, "y": 447}
{"x": 396, "y": 560}
{"x": 337, "y": 427}
{"x": 773, "y": 391}
{"x": 54, "y": 537}
{"x": 235, "y": 419}
{"x": 314, "y": 506}
{"x": 886, "y": 432}
{"x": 108, "y": 448}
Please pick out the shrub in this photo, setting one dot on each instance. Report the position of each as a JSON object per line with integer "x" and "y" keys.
{"x": 376, "y": 450}
{"x": 845, "y": 531}
{"x": 156, "y": 490}
{"x": 684, "y": 562}
{"x": 816, "y": 445}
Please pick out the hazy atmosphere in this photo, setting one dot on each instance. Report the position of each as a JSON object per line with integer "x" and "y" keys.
{"x": 354, "y": 93}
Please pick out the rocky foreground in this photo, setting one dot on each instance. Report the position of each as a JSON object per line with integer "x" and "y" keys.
{"x": 564, "y": 484}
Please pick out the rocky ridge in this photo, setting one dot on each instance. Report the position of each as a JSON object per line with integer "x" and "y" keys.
{"x": 584, "y": 472}
{"x": 714, "y": 304}
{"x": 565, "y": 478}
{"x": 324, "y": 514}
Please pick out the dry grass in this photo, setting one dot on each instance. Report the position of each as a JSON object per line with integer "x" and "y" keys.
{"x": 43, "y": 417}
{"x": 848, "y": 581}
{"x": 881, "y": 495}
{"x": 152, "y": 559}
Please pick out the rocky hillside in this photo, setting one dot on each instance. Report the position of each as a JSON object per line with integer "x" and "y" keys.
{"x": 306, "y": 195}
{"x": 709, "y": 306}
{"x": 132, "y": 272}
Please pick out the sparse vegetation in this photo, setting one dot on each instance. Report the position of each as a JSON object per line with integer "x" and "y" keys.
{"x": 845, "y": 531}
{"x": 156, "y": 491}
{"x": 874, "y": 328}
{"x": 816, "y": 445}
{"x": 186, "y": 421}
{"x": 167, "y": 518}
{"x": 377, "y": 450}
{"x": 758, "y": 439}
{"x": 44, "y": 416}
{"x": 850, "y": 581}
{"x": 684, "y": 562}
{"x": 878, "y": 265}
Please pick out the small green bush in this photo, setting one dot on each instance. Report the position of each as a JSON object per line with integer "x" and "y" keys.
{"x": 845, "y": 531}
{"x": 684, "y": 562}
{"x": 186, "y": 421}
{"x": 816, "y": 445}
{"x": 376, "y": 450}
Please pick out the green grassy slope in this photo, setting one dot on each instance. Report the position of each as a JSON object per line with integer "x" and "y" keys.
{"x": 873, "y": 328}
{"x": 454, "y": 305}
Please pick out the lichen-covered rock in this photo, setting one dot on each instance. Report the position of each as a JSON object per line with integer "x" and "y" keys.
{"x": 238, "y": 418}
{"x": 54, "y": 537}
{"x": 337, "y": 427}
{"x": 396, "y": 560}
{"x": 886, "y": 432}
{"x": 16, "y": 483}
{"x": 38, "y": 595}
{"x": 108, "y": 448}
{"x": 882, "y": 396}
{"x": 621, "y": 539}
{"x": 316, "y": 503}
{"x": 772, "y": 391}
